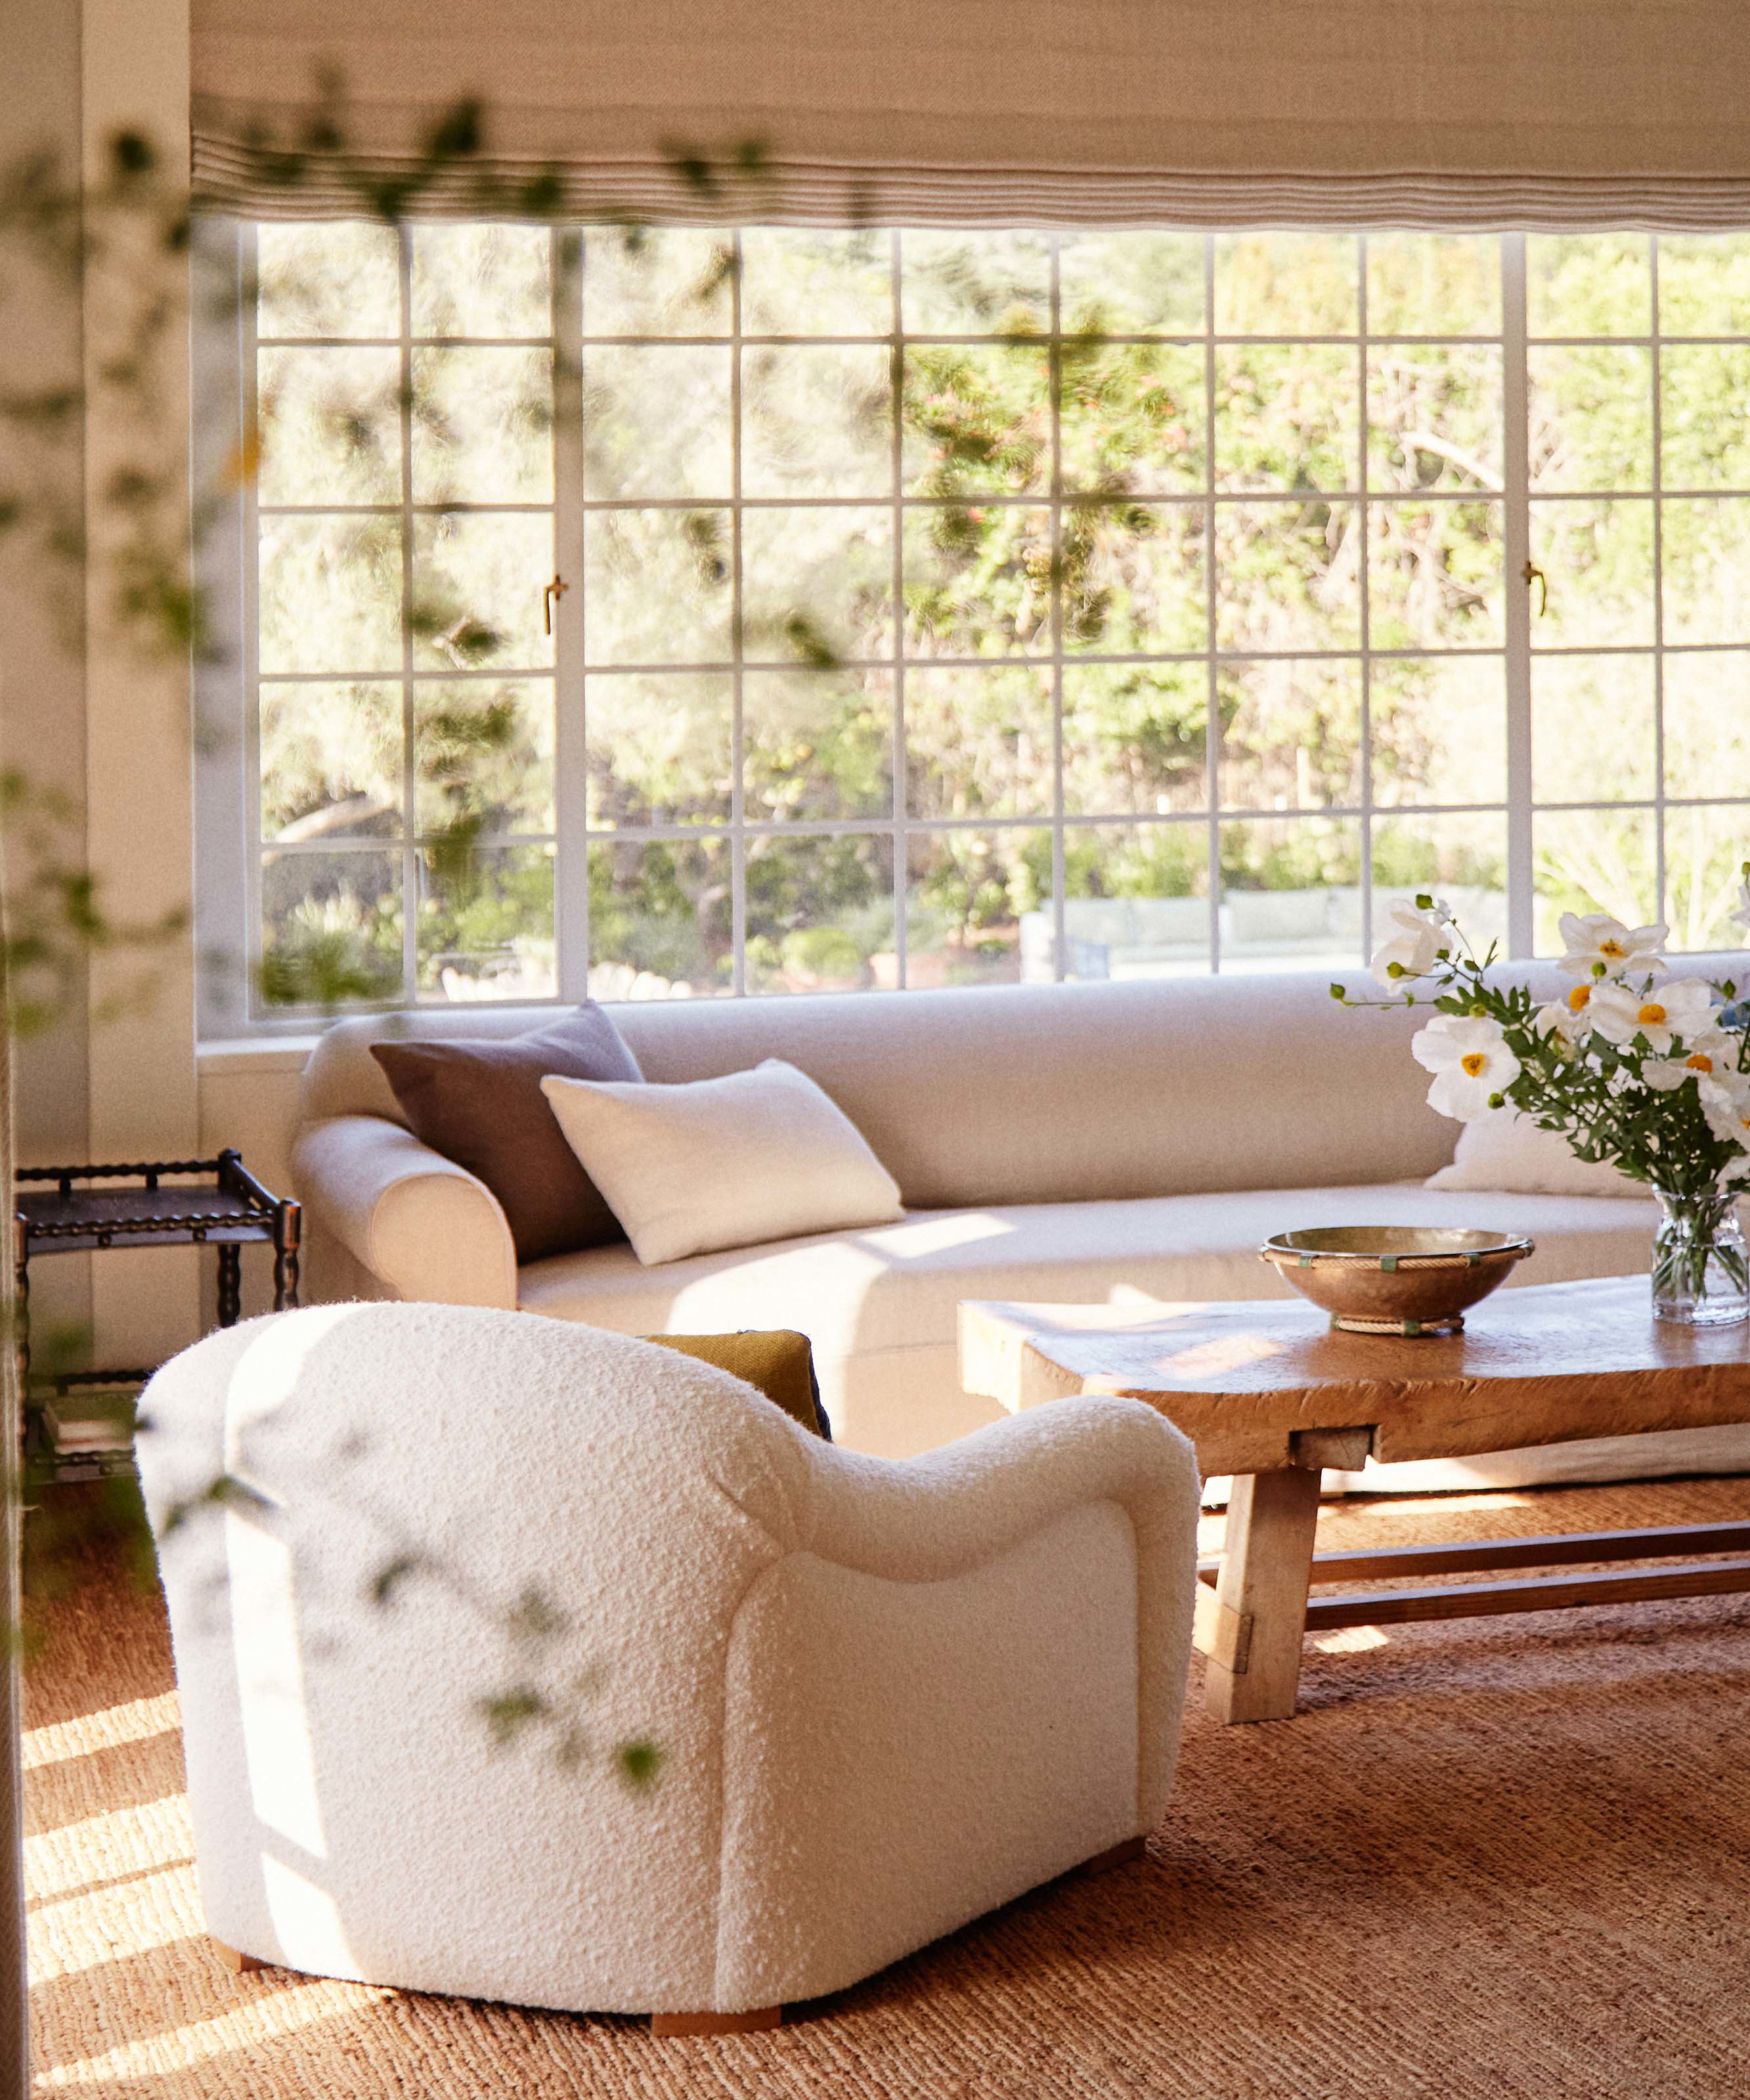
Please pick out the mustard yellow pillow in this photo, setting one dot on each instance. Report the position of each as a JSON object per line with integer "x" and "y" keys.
{"x": 778, "y": 1362}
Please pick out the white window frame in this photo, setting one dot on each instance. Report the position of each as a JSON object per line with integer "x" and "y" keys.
{"x": 228, "y": 841}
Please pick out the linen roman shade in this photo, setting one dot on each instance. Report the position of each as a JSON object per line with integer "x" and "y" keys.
{"x": 1499, "y": 112}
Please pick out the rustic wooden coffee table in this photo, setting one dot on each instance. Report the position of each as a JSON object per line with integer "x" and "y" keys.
{"x": 1269, "y": 1394}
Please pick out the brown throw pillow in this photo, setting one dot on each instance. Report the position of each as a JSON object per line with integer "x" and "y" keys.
{"x": 779, "y": 1361}
{"x": 480, "y": 1103}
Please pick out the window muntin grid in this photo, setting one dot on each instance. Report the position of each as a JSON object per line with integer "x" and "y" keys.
{"x": 1214, "y": 860}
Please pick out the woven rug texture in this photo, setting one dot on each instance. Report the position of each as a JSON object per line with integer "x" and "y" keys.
{"x": 1498, "y": 1858}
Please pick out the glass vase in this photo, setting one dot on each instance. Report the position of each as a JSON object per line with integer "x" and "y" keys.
{"x": 1701, "y": 1273}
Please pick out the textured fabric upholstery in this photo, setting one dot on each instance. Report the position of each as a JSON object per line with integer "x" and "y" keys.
{"x": 886, "y": 1697}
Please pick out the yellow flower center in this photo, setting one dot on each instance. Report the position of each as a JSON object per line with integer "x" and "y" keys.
{"x": 1652, "y": 1015}
{"x": 1614, "y": 949}
{"x": 1580, "y": 996}
{"x": 1473, "y": 1061}
{"x": 1699, "y": 1062}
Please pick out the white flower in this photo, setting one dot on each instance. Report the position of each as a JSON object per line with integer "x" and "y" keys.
{"x": 1663, "y": 1015}
{"x": 1727, "y": 1110}
{"x": 1412, "y": 940}
{"x": 1470, "y": 1061}
{"x": 1705, "y": 1056}
{"x": 1565, "y": 1018}
{"x": 1599, "y": 946}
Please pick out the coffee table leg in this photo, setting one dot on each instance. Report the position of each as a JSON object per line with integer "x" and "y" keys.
{"x": 1265, "y": 1568}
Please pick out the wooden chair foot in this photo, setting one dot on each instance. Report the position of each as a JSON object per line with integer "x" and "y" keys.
{"x": 757, "y": 2022}
{"x": 239, "y": 1965}
{"x": 1115, "y": 1855}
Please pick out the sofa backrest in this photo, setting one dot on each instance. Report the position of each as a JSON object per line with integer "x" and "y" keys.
{"x": 1033, "y": 1093}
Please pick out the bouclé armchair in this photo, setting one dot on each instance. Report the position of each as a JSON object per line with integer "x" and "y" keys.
{"x": 529, "y": 1661}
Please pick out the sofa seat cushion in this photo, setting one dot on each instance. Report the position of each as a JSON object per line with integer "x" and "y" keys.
{"x": 898, "y": 1286}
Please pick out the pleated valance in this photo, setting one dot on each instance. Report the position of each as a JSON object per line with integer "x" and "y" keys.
{"x": 1219, "y": 112}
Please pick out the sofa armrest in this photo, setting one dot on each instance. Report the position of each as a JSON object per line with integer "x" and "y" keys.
{"x": 941, "y": 1516}
{"x": 425, "y": 1226}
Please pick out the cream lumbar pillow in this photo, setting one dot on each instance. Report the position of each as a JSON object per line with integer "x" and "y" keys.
{"x": 712, "y": 1163}
{"x": 1507, "y": 1152}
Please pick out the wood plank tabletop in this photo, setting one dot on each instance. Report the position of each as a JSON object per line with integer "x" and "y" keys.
{"x": 1541, "y": 1364}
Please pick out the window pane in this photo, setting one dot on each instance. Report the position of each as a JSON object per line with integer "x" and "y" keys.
{"x": 1432, "y": 283}
{"x": 1131, "y": 283}
{"x": 977, "y": 581}
{"x": 1597, "y": 560}
{"x": 1593, "y": 860}
{"x": 1135, "y": 904}
{"x": 1463, "y": 858}
{"x": 1286, "y": 283}
{"x": 1436, "y": 576}
{"x": 818, "y": 745}
{"x": 656, "y": 422}
{"x": 975, "y": 284}
{"x": 330, "y": 594}
{"x": 817, "y": 420}
{"x": 658, "y": 749}
{"x": 976, "y": 903}
{"x": 1286, "y": 577}
{"x": 1702, "y": 439}
{"x": 330, "y": 761}
{"x": 486, "y": 921}
{"x": 1588, "y": 283}
{"x": 330, "y": 424}
{"x": 816, "y": 585}
{"x": 1133, "y": 578}
{"x": 798, "y": 281}
{"x": 1291, "y": 733}
{"x": 477, "y": 579}
{"x": 1134, "y": 739}
{"x": 820, "y": 914}
{"x": 341, "y": 278}
{"x": 1591, "y": 728}
{"x": 977, "y": 420}
{"x": 979, "y": 742}
{"x": 1705, "y": 851}
{"x": 648, "y": 280}
{"x": 1707, "y": 729}
{"x": 1706, "y": 572}
{"x": 656, "y": 587}
{"x": 1439, "y": 727}
{"x": 660, "y": 917}
{"x": 1590, "y": 418}
{"x": 1433, "y": 418}
{"x": 331, "y": 928}
{"x": 483, "y": 751}
{"x": 1704, "y": 285}
{"x": 1291, "y": 893}
{"x": 482, "y": 280}
{"x": 1287, "y": 417}
{"x": 483, "y": 426}
{"x": 1132, "y": 418}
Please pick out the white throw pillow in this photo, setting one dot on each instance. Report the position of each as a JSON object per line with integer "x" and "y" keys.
{"x": 1506, "y": 1152}
{"x": 754, "y": 1156}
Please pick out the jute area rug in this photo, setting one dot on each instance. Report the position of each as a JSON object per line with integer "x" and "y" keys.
{"x": 1497, "y": 1858}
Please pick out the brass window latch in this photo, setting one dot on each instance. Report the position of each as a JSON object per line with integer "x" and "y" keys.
{"x": 1534, "y": 574}
{"x": 549, "y": 597}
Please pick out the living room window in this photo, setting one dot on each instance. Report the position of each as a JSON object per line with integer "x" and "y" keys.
{"x": 958, "y": 608}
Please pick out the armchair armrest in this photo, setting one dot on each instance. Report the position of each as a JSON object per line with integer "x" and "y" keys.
{"x": 428, "y": 1228}
{"x": 933, "y": 1518}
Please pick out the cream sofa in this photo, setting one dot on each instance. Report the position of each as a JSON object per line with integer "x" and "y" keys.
{"x": 883, "y": 1699}
{"x": 1051, "y": 1142}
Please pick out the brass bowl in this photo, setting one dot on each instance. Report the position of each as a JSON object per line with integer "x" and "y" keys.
{"x": 1394, "y": 1279}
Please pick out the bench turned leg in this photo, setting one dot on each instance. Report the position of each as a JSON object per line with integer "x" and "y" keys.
{"x": 1254, "y": 1671}
{"x": 757, "y": 2022}
{"x": 239, "y": 1965}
